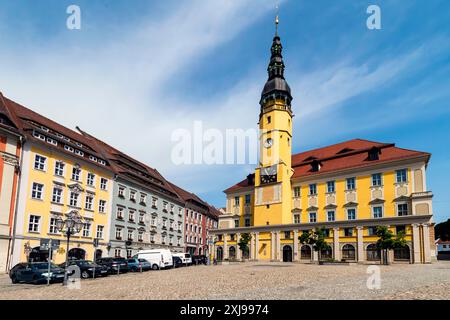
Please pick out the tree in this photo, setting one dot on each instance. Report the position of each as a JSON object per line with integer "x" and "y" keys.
{"x": 387, "y": 241}
{"x": 442, "y": 230}
{"x": 243, "y": 243}
{"x": 316, "y": 239}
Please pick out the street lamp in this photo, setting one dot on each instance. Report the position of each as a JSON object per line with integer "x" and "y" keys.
{"x": 70, "y": 226}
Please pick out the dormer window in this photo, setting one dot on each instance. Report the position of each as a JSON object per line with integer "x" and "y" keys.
{"x": 315, "y": 166}
{"x": 374, "y": 154}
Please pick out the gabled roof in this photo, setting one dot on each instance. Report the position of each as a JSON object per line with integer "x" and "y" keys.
{"x": 27, "y": 122}
{"x": 129, "y": 168}
{"x": 350, "y": 154}
{"x": 192, "y": 197}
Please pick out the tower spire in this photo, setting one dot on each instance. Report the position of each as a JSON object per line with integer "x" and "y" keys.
{"x": 276, "y": 85}
{"x": 277, "y": 8}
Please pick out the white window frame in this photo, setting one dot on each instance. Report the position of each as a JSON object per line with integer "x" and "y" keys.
{"x": 35, "y": 223}
{"x": 76, "y": 173}
{"x": 40, "y": 165}
{"x": 59, "y": 171}
{"x": 103, "y": 183}
{"x": 373, "y": 211}
{"x": 354, "y": 209}
{"x": 328, "y": 215}
{"x": 73, "y": 201}
{"x": 57, "y": 196}
{"x": 310, "y": 217}
{"x": 86, "y": 231}
{"x": 90, "y": 179}
{"x": 100, "y": 231}
{"x": 40, "y": 192}
{"x": 102, "y": 206}
{"x": 90, "y": 203}
{"x": 52, "y": 226}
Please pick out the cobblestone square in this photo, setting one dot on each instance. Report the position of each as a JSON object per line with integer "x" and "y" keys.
{"x": 260, "y": 281}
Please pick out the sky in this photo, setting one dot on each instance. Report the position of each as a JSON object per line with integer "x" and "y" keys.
{"x": 137, "y": 70}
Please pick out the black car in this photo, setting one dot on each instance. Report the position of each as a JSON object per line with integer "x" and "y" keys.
{"x": 177, "y": 262}
{"x": 199, "y": 259}
{"x": 35, "y": 272}
{"x": 87, "y": 268}
{"x": 114, "y": 265}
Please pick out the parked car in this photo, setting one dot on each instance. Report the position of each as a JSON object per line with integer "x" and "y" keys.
{"x": 185, "y": 258}
{"x": 135, "y": 264}
{"x": 158, "y": 258}
{"x": 199, "y": 259}
{"x": 87, "y": 268}
{"x": 35, "y": 272}
{"x": 177, "y": 262}
{"x": 114, "y": 265}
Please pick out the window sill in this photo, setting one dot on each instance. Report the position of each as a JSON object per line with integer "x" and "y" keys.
{"x": 57, "y": 203}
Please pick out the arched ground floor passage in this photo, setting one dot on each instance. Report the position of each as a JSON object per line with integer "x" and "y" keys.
{"x": 360, "y": 247}
{"x": 29, "y": 250}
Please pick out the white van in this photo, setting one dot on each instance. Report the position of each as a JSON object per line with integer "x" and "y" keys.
{"x": 158, "y": 258}
{"x": 185, "y": 257}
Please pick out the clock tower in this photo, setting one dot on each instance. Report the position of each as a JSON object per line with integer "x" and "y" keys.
{"x": 273, "y": 199}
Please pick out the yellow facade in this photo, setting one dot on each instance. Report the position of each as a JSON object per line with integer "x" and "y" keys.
{"x": 275, "y": 124}
{"x": 45, "y": 208}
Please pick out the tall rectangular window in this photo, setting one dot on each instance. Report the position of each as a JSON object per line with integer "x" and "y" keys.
{"x": 377, "y": 212}
{"x": 52, "y": 226}
{"x": 119, "y": 213}
{"x": 33, "y": 223}
{"x": 236, "y": 223}
{"x": 401, "y": 176}
{"x": 59, "y": 168}
{"x": 296, "y": 218}
{"x": 402, "y": 209}
{"x": 99, "y": 234}
{"x": 103, "y": 183}
{"x": 330, "y": 215}
{"x": 37, "y": 191}
{"x": 76, "y": 173}
{"x": 351, "y": 214}
{"x": 296, "y": 192}
{"x": 90, "y": 179}
{"x": 121, "y": 192}
{"x": 312, "y": 217}
{"x": 39, "y": 162}
{"x": 57, "y": 194}
{"x": 247, "y": 222}
{"x": 102, "y": 206}
{"x": 118, "y": 233}
{"x": 247, "y": 198}
{"x": 73, "y": 201}
{"x": 351, "y": 183}
{"x": 313, "y": 189}
{"x": 236, "y": 201}
{"x": 86, "y": 230}
{"x": 88, "y": 202}
{"x": 330, "y": 186}
{"x": 376, "y": 180}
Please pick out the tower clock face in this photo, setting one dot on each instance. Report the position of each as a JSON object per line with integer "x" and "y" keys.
{"x": 268, "y": 174}
{"x": 268, "y": 143}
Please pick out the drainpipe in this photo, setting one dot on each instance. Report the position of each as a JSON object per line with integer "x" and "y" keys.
{"x": 13, "y": 238}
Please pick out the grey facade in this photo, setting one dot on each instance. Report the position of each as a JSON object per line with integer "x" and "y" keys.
{"x": 143, "y": 218}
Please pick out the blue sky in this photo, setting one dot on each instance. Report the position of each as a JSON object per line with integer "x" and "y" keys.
{"x": 137, "y": 70}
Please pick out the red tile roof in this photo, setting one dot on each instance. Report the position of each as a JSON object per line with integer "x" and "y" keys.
{"x": 189, "y": 196}
{"x": 350, "y": 154}
{"x": 126, "y": 166}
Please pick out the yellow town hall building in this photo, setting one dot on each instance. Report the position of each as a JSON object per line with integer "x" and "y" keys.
{"x": 348, "y": 189}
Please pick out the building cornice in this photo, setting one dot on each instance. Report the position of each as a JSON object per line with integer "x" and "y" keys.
{"x": 335, "y": 224}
